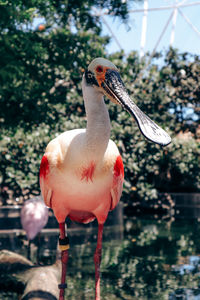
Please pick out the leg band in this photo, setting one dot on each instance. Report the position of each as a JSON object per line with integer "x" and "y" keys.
{"x": 62, "y": 286}
{"x": 64, "y": 243}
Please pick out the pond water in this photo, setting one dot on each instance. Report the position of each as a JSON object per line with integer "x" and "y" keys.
{"x": 144, "y": 259}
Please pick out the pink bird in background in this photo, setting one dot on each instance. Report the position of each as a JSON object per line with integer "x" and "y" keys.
{"x": 34, "y": 216}
{"x": 81, "y": 172}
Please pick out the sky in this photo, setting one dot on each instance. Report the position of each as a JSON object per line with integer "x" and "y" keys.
{"x": 186, "y": 39}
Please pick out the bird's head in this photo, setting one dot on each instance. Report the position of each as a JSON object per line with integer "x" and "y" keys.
{"x": 103, "y": 76}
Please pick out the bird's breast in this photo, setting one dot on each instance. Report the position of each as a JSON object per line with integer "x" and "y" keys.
{"x": 87, "y": 172}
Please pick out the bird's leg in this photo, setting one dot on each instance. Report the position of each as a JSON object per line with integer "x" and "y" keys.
{"x": 38, "y": 244}
{"x": 64, "y": 246}
{"x": 29, "y": 250}
{"x": 97, "y": 261}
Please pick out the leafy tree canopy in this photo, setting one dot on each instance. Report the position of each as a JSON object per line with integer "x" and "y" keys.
{"x": 59, "y": 49}
{"x": 40, "y": 96}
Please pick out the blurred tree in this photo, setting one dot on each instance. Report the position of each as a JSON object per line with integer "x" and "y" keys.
{"x": 167, "y": 95}
{"x": 40, "y": 96}
{"x": 40, "y": 74}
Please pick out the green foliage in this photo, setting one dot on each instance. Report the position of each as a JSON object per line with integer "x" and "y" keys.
{"x": 149, "y": 168}
{"x": 40, "y": 97}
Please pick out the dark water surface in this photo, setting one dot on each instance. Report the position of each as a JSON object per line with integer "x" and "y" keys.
{"x": 144, "y": 259}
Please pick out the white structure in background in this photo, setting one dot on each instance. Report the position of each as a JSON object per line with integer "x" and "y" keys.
{"x": 173, "y": 25}
{"x": 144, "y": 28}
{"x": 176, "y": 9}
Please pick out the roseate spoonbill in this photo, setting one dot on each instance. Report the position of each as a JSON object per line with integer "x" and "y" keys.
{"x": 34, "y": 216}
{"x": 81, "y": 172}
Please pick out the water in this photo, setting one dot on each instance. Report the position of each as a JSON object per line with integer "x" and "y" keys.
{"x": 149, "y": 259}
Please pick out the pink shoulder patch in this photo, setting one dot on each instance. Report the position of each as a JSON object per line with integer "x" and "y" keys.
{"x": 118, "y": 178}
{"x": 88, "y": 173}
{"x": 119, "y": 167}
{"x": 44, "y": 166}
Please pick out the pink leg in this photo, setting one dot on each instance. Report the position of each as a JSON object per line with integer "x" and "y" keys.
{"x": 97, "y": 261}
{"x": 64, "y": 246}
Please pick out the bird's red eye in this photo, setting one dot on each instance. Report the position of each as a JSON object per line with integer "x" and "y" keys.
{"x": 99, "y": 69}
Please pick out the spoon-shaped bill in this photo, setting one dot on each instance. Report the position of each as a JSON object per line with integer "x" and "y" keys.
{"x": 116, "y": 91}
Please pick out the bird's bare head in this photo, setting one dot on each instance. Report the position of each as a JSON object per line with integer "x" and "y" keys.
{"x": 99, "y": 65}
{"x": 100, "y": 75}
{"x": 104, "y": 76}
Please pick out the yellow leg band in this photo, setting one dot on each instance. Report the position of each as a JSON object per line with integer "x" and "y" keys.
{"x": 64, "y": 243}
{"x": 63, "y": 247}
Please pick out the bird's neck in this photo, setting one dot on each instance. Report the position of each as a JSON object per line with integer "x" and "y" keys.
{"x": 98, "y": 121}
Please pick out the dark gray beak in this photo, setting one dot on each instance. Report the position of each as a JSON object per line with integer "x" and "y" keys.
{"x": 114, "y": 88}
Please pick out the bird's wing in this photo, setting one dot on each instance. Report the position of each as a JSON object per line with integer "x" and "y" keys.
{"x": 118, "y": 178}
{"x": 44, "y": 186}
